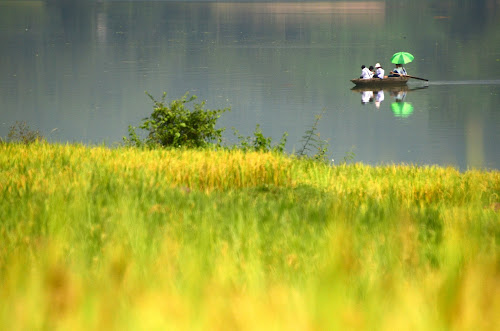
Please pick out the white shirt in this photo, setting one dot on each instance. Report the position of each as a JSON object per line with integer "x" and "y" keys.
{"x": 380, "y": 73}
{"x": 366, "y": 73}
{"x": 400, "y": 70}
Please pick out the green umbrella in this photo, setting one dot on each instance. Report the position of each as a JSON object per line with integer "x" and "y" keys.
{"x": 402, "y": 58}
{"x": 402, "y": 109}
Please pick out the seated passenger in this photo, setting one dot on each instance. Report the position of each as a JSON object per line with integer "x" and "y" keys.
{"x": 380, "y": 71}
{"x": 372, "y": 71}
{"x": 398, "y": 71}
{"x": 365, "y": 73}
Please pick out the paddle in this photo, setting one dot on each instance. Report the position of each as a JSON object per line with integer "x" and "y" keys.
{"x": 417, "y": 78}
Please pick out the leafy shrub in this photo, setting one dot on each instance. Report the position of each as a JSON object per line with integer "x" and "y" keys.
{"x": 259, "y": 142}
{"x": 21, "y": 132}
{"x": 174, "y": 125}
{"x": 349, "y": 156}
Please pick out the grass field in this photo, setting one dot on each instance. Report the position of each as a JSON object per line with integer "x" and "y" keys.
{"x": 129, "y": 239}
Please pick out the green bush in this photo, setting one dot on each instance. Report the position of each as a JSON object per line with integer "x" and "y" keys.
{"x": 259, "y": 142}
{"x": 174, "y": 125}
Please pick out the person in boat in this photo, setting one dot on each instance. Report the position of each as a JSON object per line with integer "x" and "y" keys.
{"x": 398, "y": 71}
{"x": 379, "y": 71}
{"x": 372, "y": 70}
{"x": 365, "y": 72}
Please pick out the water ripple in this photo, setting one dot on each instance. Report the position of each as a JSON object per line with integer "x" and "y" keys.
{"x": 466, "y": 82}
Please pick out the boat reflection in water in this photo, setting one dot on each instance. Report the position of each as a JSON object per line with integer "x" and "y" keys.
{"x": 376, "y": 95}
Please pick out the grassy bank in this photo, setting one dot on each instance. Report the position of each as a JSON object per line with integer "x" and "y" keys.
{"x": 129, "y": 239}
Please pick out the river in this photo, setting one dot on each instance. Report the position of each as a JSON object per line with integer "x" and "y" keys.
{"x": 77, "y": 71}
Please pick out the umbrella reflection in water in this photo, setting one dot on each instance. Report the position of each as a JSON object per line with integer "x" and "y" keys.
{"x": 402, "y": 109}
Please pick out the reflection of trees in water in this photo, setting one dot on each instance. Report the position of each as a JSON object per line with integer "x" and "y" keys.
{"x": 323, "y": 35}
{"x": 76, "y": 19}
{"x": 478, "y": 14}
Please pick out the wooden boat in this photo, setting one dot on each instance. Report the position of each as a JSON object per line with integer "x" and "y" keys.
{"x": 389, "y": 81}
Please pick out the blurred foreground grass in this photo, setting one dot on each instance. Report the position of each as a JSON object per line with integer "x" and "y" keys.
{"x": 98, "y": 238}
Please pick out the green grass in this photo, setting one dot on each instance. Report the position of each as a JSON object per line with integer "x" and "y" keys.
{"x": 124, "y": 238}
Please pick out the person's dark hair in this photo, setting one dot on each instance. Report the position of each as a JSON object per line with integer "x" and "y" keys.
{"x": 363, "y": 66}
{"x": 371, "y": 68}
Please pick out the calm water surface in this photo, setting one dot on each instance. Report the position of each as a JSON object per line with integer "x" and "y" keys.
{"x": 82, "y": 67}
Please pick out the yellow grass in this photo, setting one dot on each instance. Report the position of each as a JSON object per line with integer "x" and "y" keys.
{"x": 99, "y": 238}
